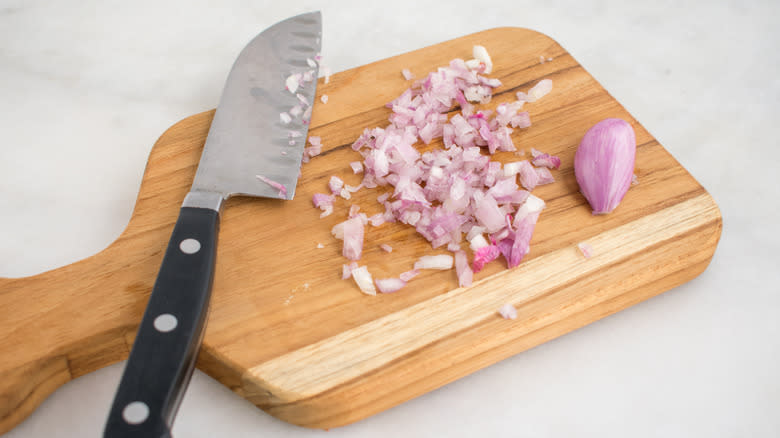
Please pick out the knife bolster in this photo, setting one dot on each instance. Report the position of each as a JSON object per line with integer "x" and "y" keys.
{"x": 204, "y": 199}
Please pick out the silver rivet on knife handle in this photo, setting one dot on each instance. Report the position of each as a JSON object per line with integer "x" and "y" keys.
{"x": 136, "y": 412}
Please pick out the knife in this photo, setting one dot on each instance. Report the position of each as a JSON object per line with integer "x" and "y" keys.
{"x": 251, "y": 151}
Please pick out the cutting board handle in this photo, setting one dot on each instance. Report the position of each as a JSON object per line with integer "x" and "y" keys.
{"x": 55, "y": 330}
{"x": 67, "y": 322}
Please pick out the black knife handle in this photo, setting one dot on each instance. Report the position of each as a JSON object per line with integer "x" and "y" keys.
{"x": 166, "y": 346}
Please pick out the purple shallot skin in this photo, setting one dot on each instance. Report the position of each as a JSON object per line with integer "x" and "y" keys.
{"x": 604, "y": 164}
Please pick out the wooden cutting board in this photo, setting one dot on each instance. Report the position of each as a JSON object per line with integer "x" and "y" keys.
{"x": 284, "y": 330}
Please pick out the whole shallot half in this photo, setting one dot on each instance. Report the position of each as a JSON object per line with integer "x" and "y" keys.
{"x": 604, "y": 164}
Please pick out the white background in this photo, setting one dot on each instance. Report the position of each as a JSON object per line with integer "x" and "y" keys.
{"x": 87, "y": 86}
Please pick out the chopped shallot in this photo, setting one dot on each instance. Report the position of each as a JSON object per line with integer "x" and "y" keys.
{"x": 346, "y": 270}
{"x": 487, "y": 213}
{"x": 529, "y": 177}
{"x": 324, "y": 203}
{"x": 517, "y": 243}
{"x": 473, "y": 231}
{"x": 364, "y": 280}
{"x": 357, "y": 166}
{"x": 442, "y": 261}
{"x": 539, "y": 90}
{"x": 335, "y": 184}
{"x": 408, "y": 275}
{"x": 285, "y": 118}
{"x": 377, "y": 219}
{"x": 320, "y": 246}
{"x": 338, "y": 231}
{"x": 407, "y": 74}
{"x": 325, "y": 70}
{"x": 477, "y": 242}
{"x": 586, "y": 249}
{"x": 386, "y": 247}
{"x": 532, "y": 205}
{"x": 353, "y": 238}
{"x": 353, "y": 210}
{"x": 282, "y": 189}
{"x": 389, "y": 285}
{"x": 484, "y": 255}
{"x": 324, "y": 98}
{"x": 513, "y": 168}
{"x": 465, "y": 274}
{"x": 545, "y": 177}
{"x": 312, "y": 151}
{"x": 481, "y": 55}
{"x": 292, "y": 82}
{"x": 320, "y": 200}
{"x": 508, "y": 311}
{"x": 541, "y": 159}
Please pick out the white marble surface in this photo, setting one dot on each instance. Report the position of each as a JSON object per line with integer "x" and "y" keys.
{"x": 86, "y": 88}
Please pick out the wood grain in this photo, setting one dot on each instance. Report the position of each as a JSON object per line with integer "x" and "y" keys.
{"x": 287, "y": 334}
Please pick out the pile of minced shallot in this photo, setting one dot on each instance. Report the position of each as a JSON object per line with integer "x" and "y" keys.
{"x": 451, "y": 191}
